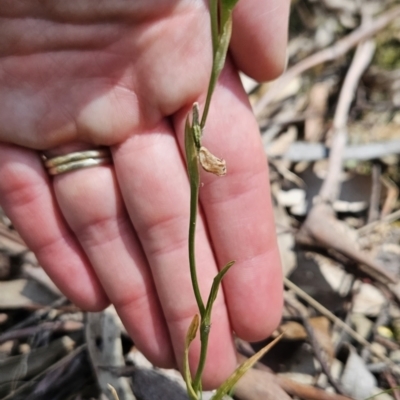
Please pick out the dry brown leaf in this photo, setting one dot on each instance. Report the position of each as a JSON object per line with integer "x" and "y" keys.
{"x": 211, "y": 163}
{"x": 259, "y": 385}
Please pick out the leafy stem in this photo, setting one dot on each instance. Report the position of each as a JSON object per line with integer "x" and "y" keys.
{"x": 196, "y": 154}
{"x": 221, "y": 30}
{"x": 191, "y": 136}
{"x": 192, "y": 146}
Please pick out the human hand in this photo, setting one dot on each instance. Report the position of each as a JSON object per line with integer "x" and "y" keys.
{"x": 125, "y": 75}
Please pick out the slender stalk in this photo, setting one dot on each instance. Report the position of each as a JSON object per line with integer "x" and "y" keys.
{"x": 211, "y": 86}
{"x": 194, "y": 198}
{"x": 192, "y": 258}
{"x": 214, "y": 24}
{"x": 219, "y": 56}
{"x": 204, "y": 335}
{"x": 221, "y": 25}
{"x": 215, "y": 44}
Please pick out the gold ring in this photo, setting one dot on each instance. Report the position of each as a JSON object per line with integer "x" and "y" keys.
{"x": 77, "y": 160}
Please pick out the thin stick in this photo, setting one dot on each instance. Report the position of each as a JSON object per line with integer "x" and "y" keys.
{"x": 113, "y": 392}
{"x": 324, "y": 311}
{"x": 38, "y": 315}
{"x": 307, "y": 392}
{"x": 56, "y": 326}
{"x": 331, "y": 53}
{"x": 373, "y": 212}
{"x": 322, "y": 209}
{"x": 331, "y": 187}
{"x": 318, "y": 351}
{"x": 388, "y": 219}
{"x": 393, "y": 384}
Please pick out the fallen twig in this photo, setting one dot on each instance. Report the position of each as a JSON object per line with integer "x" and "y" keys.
{"x": 38, "y": 314}
{"x": 307, "y": 151}
{"x": 318, "y": 351}
{"x": 265, "y": 382}
{"x": 388, "y": 219}
{"x": 351, "y": 332}
{"x": 56, "y": 326}
{"x": 105, "y": 349}
{"x": 15, "y": 370}
{"x": 391, "y": 196}
{"x": 331, "y": 53}
{"x": 307, "y": 392}
{"x": 374, "y": 201}
{"x": 60, "y": 381}
{"x": 321, "y": 225}
{"x": 259, "y": 385}
{"x": 39, "y": 275}
{"x": 362, "y": 58}
{"x": 393, "y": 384}
{"x": 322, "y": 228}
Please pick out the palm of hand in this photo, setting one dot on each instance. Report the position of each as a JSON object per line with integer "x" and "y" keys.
{"x": 85, "y": 78}
{"x": 125, "y": 74}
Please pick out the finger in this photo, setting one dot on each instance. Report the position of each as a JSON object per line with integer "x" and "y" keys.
{"x": 154, "y": 183}
{"x": 91, "y": 203}
{"x": 239, "y": 214}
{"x": 259, "y": 37}
{"x": 28, "y": 201}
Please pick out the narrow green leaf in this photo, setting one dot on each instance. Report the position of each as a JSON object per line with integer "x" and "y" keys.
{"x": 205, "y": 325}
{"x": 228, "y": 4}
{"x": 222, "y": 50}
{"x": 191, "y": 334}
{"x": 215, "y": 286}
{"x": 192, "y": 331}
{"x": 191, "y": 153}
{"x": 225, "y": 16}
{"x": 214, "y": 24}
{"x": 226, "y": 387}
{"x": 226, "y": 11}
{"x": 218, "y": 64}
{"x": 194, "y": 178}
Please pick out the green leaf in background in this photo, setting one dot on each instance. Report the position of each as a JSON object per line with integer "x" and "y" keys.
{"x": 227, "y": 386}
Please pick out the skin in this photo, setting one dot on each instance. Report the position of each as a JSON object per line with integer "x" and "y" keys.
{"x": 74, "y": 75}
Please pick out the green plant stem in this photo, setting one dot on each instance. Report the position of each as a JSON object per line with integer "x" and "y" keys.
{"x": 191, "y": 334}
{"x": 204, "y": 335}
{"x": 211, "y": 86}
{"x": 220, "y": 38}
{"x": 194, "y": 198}
{"x": 221, "y": 26}
{"x": 214, "y": 24}
{"x": 215, "y": 44}
{"x": 204, "y": 315}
